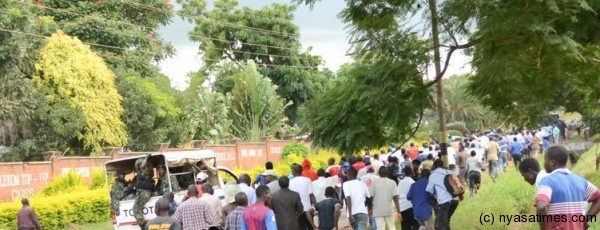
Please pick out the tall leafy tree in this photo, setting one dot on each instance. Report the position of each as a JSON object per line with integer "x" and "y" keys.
{"x": 378, "y": 99}
{"x": 527, "y": 54}
{"x": 18, "y": 52}
{"x": 267, "y": 36}
{"x": 545, "y": 57}
{"x": 150, "y": 112}
{"x": 79, "y": 85}
{"x": 130, "y": 26}
{"x": 256, "y": 109}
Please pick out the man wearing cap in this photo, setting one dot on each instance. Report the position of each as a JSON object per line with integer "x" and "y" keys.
{"x": 144, "y": 185}
{"x": 163, "y": 182}
{"x": 271, "y": 180}
{"x": 201, "y": 178}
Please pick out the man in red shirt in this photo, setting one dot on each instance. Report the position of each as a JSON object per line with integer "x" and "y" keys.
{"x": 412, "y": 152}
{"x": 359, "y": 164}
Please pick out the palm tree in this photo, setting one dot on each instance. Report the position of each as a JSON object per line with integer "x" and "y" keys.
{"x": 459, "y": 106}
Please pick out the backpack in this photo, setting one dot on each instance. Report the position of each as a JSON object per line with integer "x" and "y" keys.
{"x": 454, "y": 186}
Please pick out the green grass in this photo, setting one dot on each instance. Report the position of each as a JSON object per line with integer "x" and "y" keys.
{"x": 92, "y": 226}
{"x": 512, "y": 195}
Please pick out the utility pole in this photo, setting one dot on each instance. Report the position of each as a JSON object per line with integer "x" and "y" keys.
{"x": 435, "y": 33}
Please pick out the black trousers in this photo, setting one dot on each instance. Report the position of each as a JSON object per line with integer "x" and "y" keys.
{"x": 408, "y": 220}
{"x": 444, "y": 213}
{"x": 303, "y": 222}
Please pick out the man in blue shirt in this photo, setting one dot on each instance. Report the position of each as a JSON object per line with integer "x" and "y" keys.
{"x": 516, "y": 151}
{"x": 421, "y": 201}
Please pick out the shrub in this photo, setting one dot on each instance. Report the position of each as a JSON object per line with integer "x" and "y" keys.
{"x": 295, "y": 148}
{"x": 56, "y": 212}
{"x": 66, "y": 183}
{"x": 98, "y": 177}
{"x": 459, "y": 126}
{"x": 454, "y": 133}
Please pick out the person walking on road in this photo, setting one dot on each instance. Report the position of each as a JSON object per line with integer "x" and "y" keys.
{"x": 358, "y": 201}
{"x": 385, "y": 193}
{"x": 287, "y": 206}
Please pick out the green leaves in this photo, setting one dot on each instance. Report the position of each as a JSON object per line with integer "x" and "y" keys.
{"x": 256, "y": 109}
{"x": 377, "y": 100}
{"x": 266, "y": 36}
{"x": 72, "y": 77}
{"x": 150, "y": 113}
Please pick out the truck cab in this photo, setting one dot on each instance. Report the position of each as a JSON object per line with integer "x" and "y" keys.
{"x": 181, "y": 170}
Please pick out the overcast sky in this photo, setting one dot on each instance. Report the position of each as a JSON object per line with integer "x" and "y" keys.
{"x": 319, "y": 28}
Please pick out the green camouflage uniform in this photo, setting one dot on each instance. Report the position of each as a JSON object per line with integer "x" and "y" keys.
{"x": 163, "y": 185}
{"x": 144, "y": 188}
{"x": 117, "y": 193}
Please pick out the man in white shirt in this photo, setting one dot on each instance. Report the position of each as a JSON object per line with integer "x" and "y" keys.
{"x": 408, "y": 220}
{"x": 303, "y": 186}
{"x": 357, "y": 195}
{"x": 214, "y": 203}
{"x": 320, "y": 185}
{"x": 245, "y": 187}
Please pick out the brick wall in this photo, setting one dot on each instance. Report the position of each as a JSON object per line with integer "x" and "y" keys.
{"x": 24, "y": 179}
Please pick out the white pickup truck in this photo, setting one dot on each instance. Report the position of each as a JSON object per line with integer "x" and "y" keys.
{"x": 178, "y": 164}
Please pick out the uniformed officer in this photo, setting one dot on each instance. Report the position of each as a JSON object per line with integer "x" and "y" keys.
{"x": 118, "y": 191}
{"x": 144, "y": 185}
{"x": 163, "y": 182}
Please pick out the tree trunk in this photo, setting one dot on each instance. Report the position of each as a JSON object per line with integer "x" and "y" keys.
{"x": 435, "y": 33}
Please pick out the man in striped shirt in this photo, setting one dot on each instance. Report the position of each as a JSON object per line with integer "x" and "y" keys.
{"x": 236, "y": 217}
{"x": 562, "y": 196}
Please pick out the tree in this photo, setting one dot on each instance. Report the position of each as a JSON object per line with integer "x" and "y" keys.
{"x": 18, "y": 52}
{"x": 256, "y": 109}
{"x": 267, "y": 36}
{"x": 207, "y": 118}
{"x": 78, "y": 84}
{"x": 462, "y": 107}
{"x": 150, "y": 113}
{"x": 125, "y": 32}
{"x": 547, "y": 52}
{"x": 378, "y": 99}
{"x": 526, "y": 54}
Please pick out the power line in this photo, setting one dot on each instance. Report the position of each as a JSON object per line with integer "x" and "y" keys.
{"x": 228, "y": 24}
{"x": 132, "y": 35}
{"x": 120, "y": 48}
{"x": 153, "y": 29}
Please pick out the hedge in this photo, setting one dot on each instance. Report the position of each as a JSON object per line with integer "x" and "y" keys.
{"x": 57, "y": 212}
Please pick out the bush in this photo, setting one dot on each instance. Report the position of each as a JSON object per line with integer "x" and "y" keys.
{"x": 459, "y": 126}
{"x": 98, "y": 179}
{"x": 454, "y": 133}
{"x": 63, "y": 184}
{"x": 56, "y": 212}
{"x": 295, "y": 148}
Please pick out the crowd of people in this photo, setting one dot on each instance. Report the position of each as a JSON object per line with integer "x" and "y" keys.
{"x": 407, "y": 184}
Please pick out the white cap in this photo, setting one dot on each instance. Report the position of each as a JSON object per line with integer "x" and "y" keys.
{"x": 201, "y": 176}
